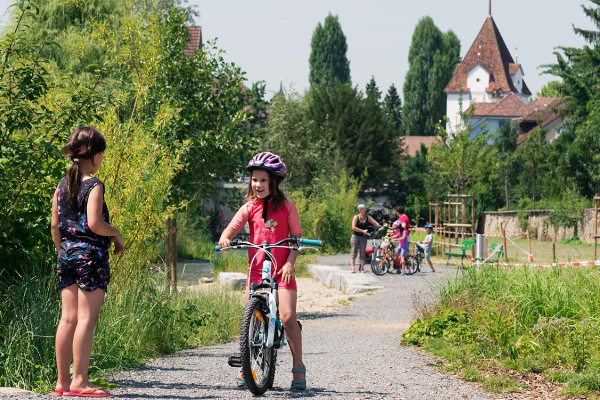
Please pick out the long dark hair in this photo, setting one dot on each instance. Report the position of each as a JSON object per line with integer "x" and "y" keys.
{"x": 85, "y": 142}
{"x": 277, "y": 196}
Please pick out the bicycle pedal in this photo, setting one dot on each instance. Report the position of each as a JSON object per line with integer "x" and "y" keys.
{"x": 235, "y": 361}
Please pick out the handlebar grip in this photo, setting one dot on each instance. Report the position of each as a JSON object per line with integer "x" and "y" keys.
{"x": 217, "y": 249}
{"x": 311, "y": 242}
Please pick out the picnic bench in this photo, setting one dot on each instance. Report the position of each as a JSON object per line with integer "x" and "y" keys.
{"x": 462, "y": 251}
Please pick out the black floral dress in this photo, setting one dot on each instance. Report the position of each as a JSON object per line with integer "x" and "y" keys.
{"x": 83, "y": 255}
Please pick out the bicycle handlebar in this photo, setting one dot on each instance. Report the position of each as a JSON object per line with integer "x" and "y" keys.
{"x": 238, "y": 244}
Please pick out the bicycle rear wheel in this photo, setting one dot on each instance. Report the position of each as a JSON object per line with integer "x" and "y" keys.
{"x": 258, "y": 361}
{"x": 412, "y": 264}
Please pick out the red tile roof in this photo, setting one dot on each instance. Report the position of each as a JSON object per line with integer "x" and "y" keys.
{"x": 490, "y": 51}
{"x": 513, "y": 68}
{"x": 412, "y": 144}
{"x": 510, "y": 106}
{"x": 547, "y": 109}
{"x": 195, "y": 40}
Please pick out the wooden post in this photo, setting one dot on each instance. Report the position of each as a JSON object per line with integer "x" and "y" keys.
{"x": 473, "y": 215}
{"x": 529, "y": 246}
{"x": 553, "y": 252}
{"x": 595, "y": 225}
{"x": 173, "y": 255}
{"x": 504, "y": 243}
{"x": 168, "y": 250}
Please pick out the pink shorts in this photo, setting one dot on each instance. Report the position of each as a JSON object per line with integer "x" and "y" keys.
{"x": 257, "y": 275}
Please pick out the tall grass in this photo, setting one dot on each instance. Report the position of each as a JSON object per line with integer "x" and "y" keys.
{"x": 137, "y": 322}
{"x": 528, "y": 319}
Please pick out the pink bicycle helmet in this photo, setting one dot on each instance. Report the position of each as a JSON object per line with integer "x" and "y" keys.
{"x": 396, "y": 224}
{"x": 269, "y": 162}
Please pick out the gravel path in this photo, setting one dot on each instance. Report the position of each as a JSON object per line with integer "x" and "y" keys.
{"x": 352, "y": 353}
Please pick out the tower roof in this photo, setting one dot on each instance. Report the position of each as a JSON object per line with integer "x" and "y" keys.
{"x": 490, "y": 51}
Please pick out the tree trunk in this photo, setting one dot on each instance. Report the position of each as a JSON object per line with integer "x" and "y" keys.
{"x": 506, "y": 191}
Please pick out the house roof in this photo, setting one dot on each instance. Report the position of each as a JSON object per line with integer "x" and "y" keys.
{"x": 510, "y": 106}
{"x": 195, "y": 40}
{"x": 490, "y": 51}
{"x": 412, "y": 144}
{"x": 513, "y": 68}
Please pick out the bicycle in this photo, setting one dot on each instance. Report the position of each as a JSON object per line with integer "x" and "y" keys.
{"x": 413, "y": 260}
{"x": 262, "y": 332}
{"x": 384, "y": 258}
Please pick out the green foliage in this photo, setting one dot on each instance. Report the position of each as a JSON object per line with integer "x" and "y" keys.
{"x": 524, "y": 319}
{"x": 392, "y": 106}
{"x": 37, "y": 112}
{"x": 194, "y": 239}
{"x": 431, "y": 58}
{"x": 326, "y": 212}
{"x": 461, "y": 159}
{"x": 137, "y": 322}
{"x": 551, "y": 89}
{"x": 329, "y": 65}
{"x": 172, "y": 123}
{"x": 291, "y": 134}
{"x": 230, "y": 261}
{"x": 449, "y": 323}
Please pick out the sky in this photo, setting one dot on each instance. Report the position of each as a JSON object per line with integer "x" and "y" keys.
{"x": 270, "y": 39}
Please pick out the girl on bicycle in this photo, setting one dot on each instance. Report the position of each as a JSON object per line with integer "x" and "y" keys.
{"x": 271, "y": 218}
{"x": 82, "y": 236}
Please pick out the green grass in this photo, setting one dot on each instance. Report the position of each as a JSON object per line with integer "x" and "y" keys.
{"x": 137, "y": 322}
{"x": 524, "y": 319}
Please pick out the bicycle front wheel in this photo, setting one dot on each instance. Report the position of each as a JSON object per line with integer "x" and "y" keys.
{"x": 412, "y": 264}
{"x": 379, "y": 264}
{"x": 258, "y": 361}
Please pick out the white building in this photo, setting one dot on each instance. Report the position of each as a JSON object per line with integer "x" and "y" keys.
{"x": 489, "y": 79}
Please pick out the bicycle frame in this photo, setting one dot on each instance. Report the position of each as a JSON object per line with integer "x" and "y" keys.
{"x": 267, "y": 282}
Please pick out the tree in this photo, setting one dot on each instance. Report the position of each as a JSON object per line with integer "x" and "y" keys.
{"x": 552, "y": 89}
{"x": 579, "y": 69}
{"x": 329, "y": 65}
{"x": 431, "y": 58}
{"x": 505, "y": 142}
{"x": 375, "y": 147}
{"x": 461, "y": 160}
{"x": 392, "y": 105}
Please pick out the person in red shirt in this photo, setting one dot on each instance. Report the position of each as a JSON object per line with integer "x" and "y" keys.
{"x": 271, "y": 218}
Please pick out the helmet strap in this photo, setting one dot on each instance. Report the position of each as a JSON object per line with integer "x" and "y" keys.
{"x": 264, "y": 213}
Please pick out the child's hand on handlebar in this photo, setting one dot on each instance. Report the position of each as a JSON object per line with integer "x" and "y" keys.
{"x": 224, "y": 242}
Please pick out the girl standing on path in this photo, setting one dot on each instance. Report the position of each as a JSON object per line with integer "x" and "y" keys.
{"x": 358, "y": 241}
{"x": 271, "y": 218}
{"x": 82, "y": 236}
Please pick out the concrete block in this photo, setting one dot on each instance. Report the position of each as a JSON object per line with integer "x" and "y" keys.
{"x": 342, "y": 279}
{"x": 236, "y": 280}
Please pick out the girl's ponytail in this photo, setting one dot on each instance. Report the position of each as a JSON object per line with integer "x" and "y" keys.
{"x": 73, "y": 182}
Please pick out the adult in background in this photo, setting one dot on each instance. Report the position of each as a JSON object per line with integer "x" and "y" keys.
{"x": 404, "y": 220}
{"x": 358, "y": 241}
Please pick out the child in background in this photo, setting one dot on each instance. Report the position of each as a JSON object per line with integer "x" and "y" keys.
{"x": 401, "y": 235}
{"x": 426, "y": 244}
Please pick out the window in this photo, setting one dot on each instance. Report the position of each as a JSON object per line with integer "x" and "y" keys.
{"x": 477, "y": 80}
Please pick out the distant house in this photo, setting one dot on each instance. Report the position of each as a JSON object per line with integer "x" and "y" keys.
{"x": 489, "y": 79}
{"x": 412, "y": 144}
{"x": 195, "y": 41}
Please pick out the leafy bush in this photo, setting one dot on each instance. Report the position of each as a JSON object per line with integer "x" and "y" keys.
{"x": 326, "y": 212}
{"x": 527, "y": 319}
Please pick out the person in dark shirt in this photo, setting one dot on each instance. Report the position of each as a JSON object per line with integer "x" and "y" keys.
{"x": 82, "y": 236}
